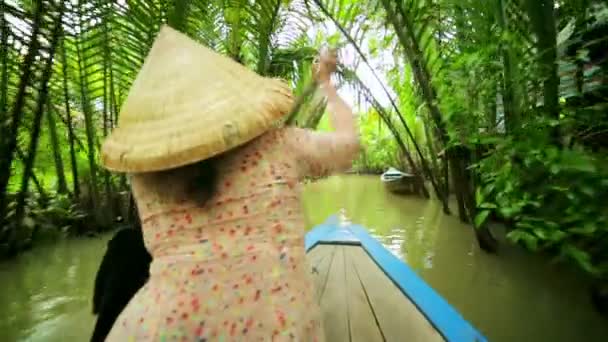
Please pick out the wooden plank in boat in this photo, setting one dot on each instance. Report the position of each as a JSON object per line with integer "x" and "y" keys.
{"x": 334, "y": 301}
{"x": 363, "y": 323}
{"x": 320, "y": 259}
{"x": 318, "y": 254}
{"x": 398, "y": 317}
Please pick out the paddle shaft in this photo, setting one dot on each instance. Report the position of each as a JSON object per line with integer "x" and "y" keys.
{"x": 300, "y": 101}
{"x": 308, "y": 90}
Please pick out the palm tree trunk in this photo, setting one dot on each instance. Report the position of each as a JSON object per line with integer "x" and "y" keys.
{"x": 542, "y": 17}
{"x": 458, "y": 184}
{"x": 406, "y": 37}
{"x": 113, "y": 105}
{"x": 105, "y": 97}
{"x": 43, "y": 195}
{"x": 510, "y": 98}
{"x": 264, "y": 40}
{"x": 89, "y": 127}
{"x": 432, "y": 150}
{"x": 491, "y": 107}
{"x": 4, "y": 64}
{"x": 446, "y": 173}
{"x": 485, "y": 239}
{"x": 8, "y": 139}
{"x": 404, "y": 32}
{"x": 62, "y": 186}
{"x": 37, "y": 123}
{"x": 71, "y": 137}
{"x": 107, "y": 64}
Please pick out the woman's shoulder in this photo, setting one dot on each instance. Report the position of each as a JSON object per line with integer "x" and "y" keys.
{"x": 279, "y": 134}
{"x": 279, "y": 131}
{"x": 290, "y": 133}
{"x": 288, "y": 137}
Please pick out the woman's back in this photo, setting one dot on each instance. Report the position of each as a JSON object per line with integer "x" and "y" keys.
{"x": 235, "y": 265}
{"x": 256, "y": 184}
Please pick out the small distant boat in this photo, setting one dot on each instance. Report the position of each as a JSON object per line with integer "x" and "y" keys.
{"x": 368, "y": 294}
{"x": 398, "y": 181}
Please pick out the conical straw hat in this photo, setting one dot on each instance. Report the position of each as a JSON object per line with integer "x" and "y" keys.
{"x": 188, "y": 104}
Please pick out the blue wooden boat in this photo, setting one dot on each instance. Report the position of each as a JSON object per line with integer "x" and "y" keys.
{"x": 368, "y": 294}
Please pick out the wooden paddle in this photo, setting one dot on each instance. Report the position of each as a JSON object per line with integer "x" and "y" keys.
{"x": 309, "y": 90}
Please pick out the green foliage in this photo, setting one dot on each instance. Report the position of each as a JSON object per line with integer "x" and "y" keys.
{"x": 553, "y": 196}
{"x": 60, "y": 214}
{"x": 46, "y": 219}
{"x": 548, "y": 176}
{"x": 376, "y": 154}
{"x": 379, "y": 148}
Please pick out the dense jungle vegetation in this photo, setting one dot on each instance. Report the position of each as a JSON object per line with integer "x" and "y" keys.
{"x": 501, "y": 104}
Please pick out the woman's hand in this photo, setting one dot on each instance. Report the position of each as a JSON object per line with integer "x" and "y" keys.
{"x": 325, "y": 66}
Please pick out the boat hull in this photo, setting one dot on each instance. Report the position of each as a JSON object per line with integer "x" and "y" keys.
{"x": 399, "y": 186}
{"x": 398, "y": 182}
{"x": 368, "y": 294}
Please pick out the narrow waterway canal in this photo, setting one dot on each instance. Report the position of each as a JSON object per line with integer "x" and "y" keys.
{"x": 513, "y": 296}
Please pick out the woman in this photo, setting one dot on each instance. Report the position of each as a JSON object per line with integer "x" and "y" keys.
{"x": 225, "y": 229}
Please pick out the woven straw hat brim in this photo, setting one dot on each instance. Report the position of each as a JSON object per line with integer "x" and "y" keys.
{"x": 188, "y": 104}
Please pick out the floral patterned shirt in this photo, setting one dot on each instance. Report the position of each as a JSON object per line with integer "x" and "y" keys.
{"x": 233, "y": 269}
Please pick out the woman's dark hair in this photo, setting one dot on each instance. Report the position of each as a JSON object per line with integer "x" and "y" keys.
{"x": 204, "y": 181}
{"x": 196, "y": 182}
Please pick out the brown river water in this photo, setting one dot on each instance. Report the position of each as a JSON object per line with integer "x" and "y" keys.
{"x": 512, "y": 296}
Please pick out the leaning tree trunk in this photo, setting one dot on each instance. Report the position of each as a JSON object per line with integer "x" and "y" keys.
{"x": 113, "y": 105}
{"x": 35, "y": 133}
{"x": 510, "y": 97}
{"x": 433, "y": 155}
{"x": 8, "y": 139}
{"x": 484, "y": 237}
{"x": 4, "y": 65}
{"x": 88, "y": 118}
{"x": 44, "y": 197}
{"x": 446, "y": 172}
{"x": 107, "y": 112}
{"x": 458, "y": 183}
{"x": 62, "y": 186}
{"x": 542, "y": 17}
{"x": 68, "y": 112}
{"x": 406, "y": 36}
